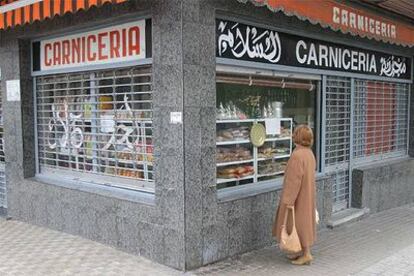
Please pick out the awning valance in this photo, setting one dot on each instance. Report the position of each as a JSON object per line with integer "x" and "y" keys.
{"x": 347, "y": 19}
{"x": 20, "y": 12}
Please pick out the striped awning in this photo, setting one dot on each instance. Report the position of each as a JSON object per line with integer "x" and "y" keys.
{"x": 20, "y": 12}
{"x": 342, "y": 16}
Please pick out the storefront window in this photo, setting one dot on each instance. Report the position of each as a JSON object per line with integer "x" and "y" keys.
{"x": 381, "y": 119}
{"x": 97, "y": 123}
{"x": 255, "y": 120}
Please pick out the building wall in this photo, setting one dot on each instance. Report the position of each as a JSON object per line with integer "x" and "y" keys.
{"x": 153, "y": 229}
{"x": 383, "y": 186}
{"x": 217, "y": 228}
{"x": 189, "y": 223}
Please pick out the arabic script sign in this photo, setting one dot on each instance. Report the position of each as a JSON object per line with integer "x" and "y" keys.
{"x": 239, "y": 41}
{"x": 256, "y": 44}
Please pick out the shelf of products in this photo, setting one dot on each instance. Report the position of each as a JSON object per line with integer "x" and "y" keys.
{"x": 276, "y": 157}
{"x": 235, "y": 173}
{"x": 239, "y": 162}
{"x": 271, "y": 174}
{"x": 234, "y": 163}
{"x": 224, "y": 180}
{"x": 94, "y": 123}
{"x": 235, "y": 142}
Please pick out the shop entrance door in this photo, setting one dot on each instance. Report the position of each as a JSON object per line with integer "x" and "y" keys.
{"x": 337, "y": 101}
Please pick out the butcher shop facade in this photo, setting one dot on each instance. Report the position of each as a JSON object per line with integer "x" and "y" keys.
{"x": 164, "y": 128}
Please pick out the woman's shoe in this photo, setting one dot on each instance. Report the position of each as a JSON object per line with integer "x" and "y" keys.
{"x": 293, "y": 256}
{"x": 304, "y": 260}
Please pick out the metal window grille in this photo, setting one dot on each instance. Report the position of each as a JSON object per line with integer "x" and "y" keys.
{"x": 338, "y": 120}
{"x": 337, "y": 137}
{"x": 97, "y": 123}
{"x": 380, "y": 120}
{"x": 2, "y": 158}
{"x": 340, "y": 189}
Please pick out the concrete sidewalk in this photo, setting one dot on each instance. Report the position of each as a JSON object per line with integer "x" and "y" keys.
{"x": 382, "y": 244}
{"x": 373, "y": 246}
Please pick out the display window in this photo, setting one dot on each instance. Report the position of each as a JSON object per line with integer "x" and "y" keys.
{"x": 256, "y": 117}
{"x": 381, "y": 119}
{"x": 97, "y": 124}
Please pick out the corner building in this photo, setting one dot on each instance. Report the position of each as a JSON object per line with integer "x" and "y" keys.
{"x": 163, "y": 128}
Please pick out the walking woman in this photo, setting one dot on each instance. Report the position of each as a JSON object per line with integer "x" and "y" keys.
{"x": 299, "y": 192}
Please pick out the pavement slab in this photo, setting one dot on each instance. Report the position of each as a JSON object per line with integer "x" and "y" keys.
{"x": 381, "y": 244}
{"x": 354, "y": 248}
{"x": 27, "y": 249}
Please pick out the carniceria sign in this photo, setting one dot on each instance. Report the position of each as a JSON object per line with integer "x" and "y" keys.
{"x": 239, "y": 41}
{"x": 116, "y": 44}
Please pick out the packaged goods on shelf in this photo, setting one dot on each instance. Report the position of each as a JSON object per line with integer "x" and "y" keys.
{"x": 240, "y": 162}
{"x": 270, "y": 167}
{"x": 270, "y": 152}
{"x": 129, "y": 173}
{"x": 235, "y": 171}
{"x": 230, "y": 134}
{"x": 105, "y": 103}
{"x": 124, "y": 155}
{"x": 233, "y": 154}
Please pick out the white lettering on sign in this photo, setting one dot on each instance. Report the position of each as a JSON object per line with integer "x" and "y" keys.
{"x": 392, "y": 67}
{"x": 119, "y": 43}
{"x": 338, "y": 58}
{"x": 251, "y": 42}
{"x": 363, "y": 23}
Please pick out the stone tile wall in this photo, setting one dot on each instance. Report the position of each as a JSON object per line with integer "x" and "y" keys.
{"x": 188, "y": 226}
{"x": 154, "y": 231}
{"x": 383, "y": 186}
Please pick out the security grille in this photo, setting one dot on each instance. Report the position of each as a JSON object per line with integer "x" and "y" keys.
{"x": 340, "y": 187}
{"x": 337, "y": 137}
{"x": 2, "y": 158}
{"x": 97, "y": 123}
{"x": 338, "y": 113}
{"x": 380, "y": 120}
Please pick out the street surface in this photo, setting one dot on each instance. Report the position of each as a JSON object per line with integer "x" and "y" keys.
{"x": 382, "y": 244}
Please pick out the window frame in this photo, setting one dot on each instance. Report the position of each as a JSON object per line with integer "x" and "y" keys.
{"x": 390, "y": 155}
{"x": 3, "y": 186}
{"x": 273, "y": 184}
{"x": 85, "y": 177}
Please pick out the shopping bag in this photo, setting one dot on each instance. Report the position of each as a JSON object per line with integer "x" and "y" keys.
{"x": 289, "y": 242}
{"x": 316, "y": 216}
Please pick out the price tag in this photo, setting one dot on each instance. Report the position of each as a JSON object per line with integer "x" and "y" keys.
{"x": 272, "y": 126}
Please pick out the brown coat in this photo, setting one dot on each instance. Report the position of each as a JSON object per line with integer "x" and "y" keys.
{"x": 299, "y": 190}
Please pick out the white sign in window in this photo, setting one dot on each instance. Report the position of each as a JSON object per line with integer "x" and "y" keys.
{"x": 13, "y": 90}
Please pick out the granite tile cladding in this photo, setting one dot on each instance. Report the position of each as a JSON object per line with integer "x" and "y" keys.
{"x": 246, "y": 224}
{"x": 384, "y": 186}
{"x": 411, "y": 130}
{"x": 154, "y": 231}
{"x": 187, "y": 226}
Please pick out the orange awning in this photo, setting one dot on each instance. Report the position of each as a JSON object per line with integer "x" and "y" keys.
{"x": 20, "y": 12}
{"x": 347, "y": 19}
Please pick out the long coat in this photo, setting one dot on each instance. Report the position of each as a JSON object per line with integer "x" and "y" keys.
{"x": 299, "y": 190}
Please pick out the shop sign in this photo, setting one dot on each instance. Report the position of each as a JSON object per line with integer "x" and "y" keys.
{"x": 115, "y": 44}
{"x": 249, "y": 43}
{"x": 346, "y": 18}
